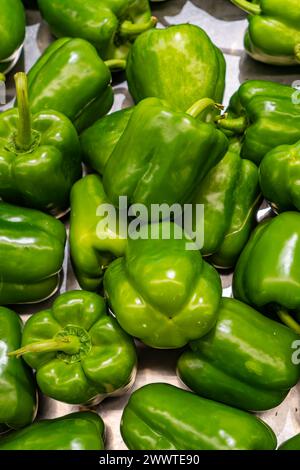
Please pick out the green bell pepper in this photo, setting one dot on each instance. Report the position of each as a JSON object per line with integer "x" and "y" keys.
{"x": 18, "y": 398}
{"x": 178, "y": 64}
{"x": 83, "y": 430}
{"x": 31, "y": 252}
{"x": 110, "y": 25}
{"x": 244, "y": 361}
{"x": 92, "y": 248}
{"x": 80, "y": 354}
{"x": 161, "y": 156}
{"x": 160, "y": 291}
{"x": 273, "y": 36}
{"x": 267, "y": 274}
{"x": 40, "y": 156}
{"x": 71, "y": 78}
{"x": 12, "y": 33}
{"x": 231, "y": 196}
{"x": 266, "y": 114}
{"x": 279, "y": 177}
{"x": 291, "y": 444}
{"x": 163, "y": 417}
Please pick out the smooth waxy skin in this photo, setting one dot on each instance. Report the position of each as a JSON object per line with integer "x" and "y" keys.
{"x": 100, "y": 23}
{"x": 244, "y": 361}
{"x": 41, "y": 176}
{"x": 71, "y": 78}
{"x": 161, "y": 292}
{"x": 161, "y": 156}
{"x": 291, "y": 444}
{"x": 268, "y": 270}
{"x": 31, "y": 252}
{"x": 97, "y": 360}
{"x": 178, "y": 64}
{"x": 279, "y": 175}
{"x": 18, "y": 398}
{"x": 273, "y": 36}
{"x": 271, "y": 112}
{"x": 231, "y": 195}
{"x": 93, "y": 246}
{"x": 164, "y": 417}
{"x": 77, "y": 431}
{"x": 12, "y": 30}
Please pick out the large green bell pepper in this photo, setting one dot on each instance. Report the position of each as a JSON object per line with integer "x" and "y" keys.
{"x": 80, "y": 354}
{"x": 164, "y": 417}
{"x": 77, "y": 431}
{"x": 162, "y": 155}
{"x": 71, "y": 78}
{"x": 110, "y": 25}
{"x": 12, "y": 32}
{"x": 161, "y": 292}
{"x": 18, "y": 398}
{"x": 279, "y": 177}
{"x": 244, "y": 361}
{"x": 40, "y": 157}
{"x": 267, "y": 114}
{"x": 291, "y": 444}
{"x": 273, "y": 36}
{"x": 231, "y": 195}
{"x": 31, "y": 253}
{"x": 179, "y": 64}
{"x": 267, "y": 274}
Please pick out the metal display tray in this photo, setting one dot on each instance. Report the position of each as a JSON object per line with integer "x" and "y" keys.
{"x": 226, "y": 25}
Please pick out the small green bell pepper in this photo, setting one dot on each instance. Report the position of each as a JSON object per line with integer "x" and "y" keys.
{"x": 273, "y": 36}
{"x": 231, "y": 195}
{"x": 31, "y": 252}
{"x": 71, "y": 78}
{"x": 267, "y": 274}
{"x": 179, "y": 64}
{"x": 18, "y": 398}
{"x": 40, "y": 156}
{"x": 80, "y": 354}
{"x": 92, "y": 248}
{"x": 291, "y": 444}
{"x": 163, "y": 417}
{"x": 110, "y": 25}
{"x": 12, "y": 33}
{"x": 160, "y": 291}
{"x": 244, "y": 361}
{"x": 279, "y": 177}
{"x": 266, "y": 114}
{"x": 83, "y": 430}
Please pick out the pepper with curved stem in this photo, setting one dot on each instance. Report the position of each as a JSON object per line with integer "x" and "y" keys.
{"x": 128, "y": 28}
{"x": 248, "y": 7}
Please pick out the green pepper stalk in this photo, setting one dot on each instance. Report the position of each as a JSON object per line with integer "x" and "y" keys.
{"x": 237, "y": 125}
{"x": 68, "y": 344}
{"x": 129, "y": 29}
{"x": 248, "y": 7}
{"x": 116, "y": 64}
{"x": 23, "y": 139}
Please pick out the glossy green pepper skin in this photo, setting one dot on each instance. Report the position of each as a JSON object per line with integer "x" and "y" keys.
{"x": 267, "y": 273}
{"x": 31, "y": 252}
{"x": 92, "y": 247}
{"x": 170, "y": 302}
{"x": 12, "y": 32}
{"x": 244, "y": 361}
{"x": 267, "y": 114}
{"x": 291, "y": 444}
{"x": 77, "y": 431}
{"x": 110, "y": 25}
{"x": 80, "y": 354}
{"x": 40, "y": 156}
{"x": 18, "y": 398}
{"x": 71, "y": 78}
{"x": 163, "y": 417}
{"x": 178, "y": 64}
{"x": 279, "y": 175}
{"x": 273, "y": 35}
{"x": 231, "y": 195}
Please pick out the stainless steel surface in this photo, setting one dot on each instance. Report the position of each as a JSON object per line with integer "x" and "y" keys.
{"x": 225, "y": 24}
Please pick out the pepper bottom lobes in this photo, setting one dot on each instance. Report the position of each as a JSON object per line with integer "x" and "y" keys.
{"x": 164, "y": 417}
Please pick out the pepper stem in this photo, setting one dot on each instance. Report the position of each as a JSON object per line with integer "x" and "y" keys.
{"x": 288, "y": 320}
{"x": 236, "y": 125}
{"x": 297, "y": 52}
{"x": 2, "y": 77}
{"x": 248, "y": 7}
{"x": 116, "y": 64}
{"x": 67, "y": 344}
{"x": 202, "y": 105}
{"x": 128, "y": 28}
{"x": 24, "y": 135}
